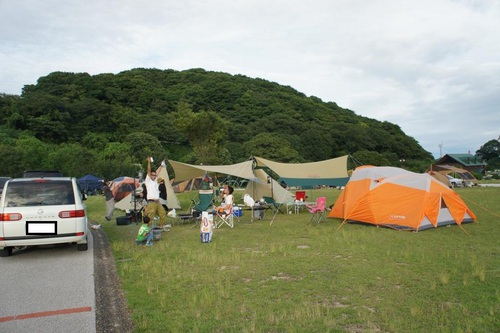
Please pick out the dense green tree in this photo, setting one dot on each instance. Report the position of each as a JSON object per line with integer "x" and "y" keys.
{"x": 11, "y": 163}
{"x": 371, "y": 158}
{"x": 490, "y": 153}
{"x": 489, "y": 150}
{"x": 143, "y": 145}
{"x": 195, "y": 116}
{"x": 272, "y": 147}
{"x": 205, "y": 130}
{"x": 72, "y": 159}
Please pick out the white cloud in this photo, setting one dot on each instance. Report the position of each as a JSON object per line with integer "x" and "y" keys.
{"x": 430, "y": 66}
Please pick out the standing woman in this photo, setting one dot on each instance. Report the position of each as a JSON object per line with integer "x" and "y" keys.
{"x": 110, "y": 199}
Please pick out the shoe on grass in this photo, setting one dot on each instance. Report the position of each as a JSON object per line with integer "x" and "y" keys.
{"x": 149, "y": 244}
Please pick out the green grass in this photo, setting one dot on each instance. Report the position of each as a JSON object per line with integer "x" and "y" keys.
{"x": 294, "y": 276}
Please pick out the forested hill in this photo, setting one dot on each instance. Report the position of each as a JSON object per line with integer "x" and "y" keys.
{"x": 194, "y": 116}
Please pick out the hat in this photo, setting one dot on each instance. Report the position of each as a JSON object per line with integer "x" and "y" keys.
{"x": 160, "y": 180}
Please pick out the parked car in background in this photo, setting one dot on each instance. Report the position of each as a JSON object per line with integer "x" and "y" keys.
{"x": 455, "y": 182}
{"x": 42, "y": 211}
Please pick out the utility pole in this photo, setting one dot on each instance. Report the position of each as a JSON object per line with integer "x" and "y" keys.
{"x": 441, "y": 149}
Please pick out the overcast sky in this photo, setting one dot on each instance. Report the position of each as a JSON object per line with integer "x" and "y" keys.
{"x": 430, "y": 66}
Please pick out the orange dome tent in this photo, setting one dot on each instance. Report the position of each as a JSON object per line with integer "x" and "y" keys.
{"x": 400, "y": 199}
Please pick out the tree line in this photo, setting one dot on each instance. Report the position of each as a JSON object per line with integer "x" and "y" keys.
{"x": 106, "y": 124}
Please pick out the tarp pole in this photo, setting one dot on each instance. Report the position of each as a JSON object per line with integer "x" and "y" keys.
{"x": 277, "y": 209}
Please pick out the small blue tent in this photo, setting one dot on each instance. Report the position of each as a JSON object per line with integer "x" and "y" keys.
{"x": 90, "y": 183}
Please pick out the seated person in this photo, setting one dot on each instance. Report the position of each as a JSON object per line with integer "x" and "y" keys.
{"x": 223, "y": 192}
{"x": 226, "y": 206}
{"x": 145, "y": 234}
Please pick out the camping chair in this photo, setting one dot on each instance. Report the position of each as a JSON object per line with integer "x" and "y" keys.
{"x": 300, "y": 195}
{"x": 318, "y": 210}
{"x": 225, "y": 218}
{"x": 206, "y": 201}
{"x": 273, "y": 205}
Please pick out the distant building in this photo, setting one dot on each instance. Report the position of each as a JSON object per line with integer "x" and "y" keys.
{"x": 468, "y": 162}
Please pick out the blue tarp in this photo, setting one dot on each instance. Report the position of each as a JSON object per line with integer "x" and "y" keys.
{"x": 90, "y": 183}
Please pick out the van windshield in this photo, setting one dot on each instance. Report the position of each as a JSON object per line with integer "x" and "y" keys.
{"x": 39, "y": 193}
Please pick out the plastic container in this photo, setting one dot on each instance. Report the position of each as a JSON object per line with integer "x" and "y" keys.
{"x": 156, "y": 233}
{"x": 237, "y": 211}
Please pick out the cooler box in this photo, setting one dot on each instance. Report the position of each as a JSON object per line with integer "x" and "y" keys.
{"x": 123, "y": 220}
{"x": 237, "y": 211}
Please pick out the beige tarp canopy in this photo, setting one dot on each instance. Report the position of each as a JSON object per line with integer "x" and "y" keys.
{"x": 257, "y": 187}
{"x": 172, "y": 200}
{"x": 332, "y": 172}
{"x": 185, "y": 171}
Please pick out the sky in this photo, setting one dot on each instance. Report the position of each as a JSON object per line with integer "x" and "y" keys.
{"x": 430, "y": 66}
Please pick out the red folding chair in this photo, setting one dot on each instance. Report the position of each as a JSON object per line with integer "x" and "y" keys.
{"x": 300, "y": 195}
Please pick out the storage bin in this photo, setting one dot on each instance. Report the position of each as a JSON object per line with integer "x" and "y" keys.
{"x": 123, "y": 220}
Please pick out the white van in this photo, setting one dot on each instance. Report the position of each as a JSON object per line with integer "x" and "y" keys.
{"x": 41, "y": 211}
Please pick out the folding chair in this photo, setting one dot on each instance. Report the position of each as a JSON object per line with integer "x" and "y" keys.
{"x": 206, "y": 201}
{"x": 273, "y": 205}
{"x": 225, "y": 218}
{"x": 300, "y": 195}
{"x": 318, "y": 210}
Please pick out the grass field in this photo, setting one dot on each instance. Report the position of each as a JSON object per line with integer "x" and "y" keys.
{"x": 295, "y": 276}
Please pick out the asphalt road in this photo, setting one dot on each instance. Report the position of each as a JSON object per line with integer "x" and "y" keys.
{"x": 59, "y": 289}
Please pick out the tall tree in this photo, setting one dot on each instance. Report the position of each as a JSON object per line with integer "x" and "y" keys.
{"x": 205, "y": 131}
{"x": 489, "y": 150}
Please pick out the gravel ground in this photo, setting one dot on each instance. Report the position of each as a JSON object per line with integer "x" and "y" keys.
{"x": 112, "y": 314}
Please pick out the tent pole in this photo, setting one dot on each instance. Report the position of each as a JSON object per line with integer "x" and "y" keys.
{"x": 343, "y": 222}
{"x": 279, "y": 206}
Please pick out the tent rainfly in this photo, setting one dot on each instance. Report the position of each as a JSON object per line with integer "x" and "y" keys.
{"x": 400, "y": 199}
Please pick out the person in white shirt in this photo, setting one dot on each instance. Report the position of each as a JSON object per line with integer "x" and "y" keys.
{"x": 227, "y": 204}
{"x": 154, "y": 207}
